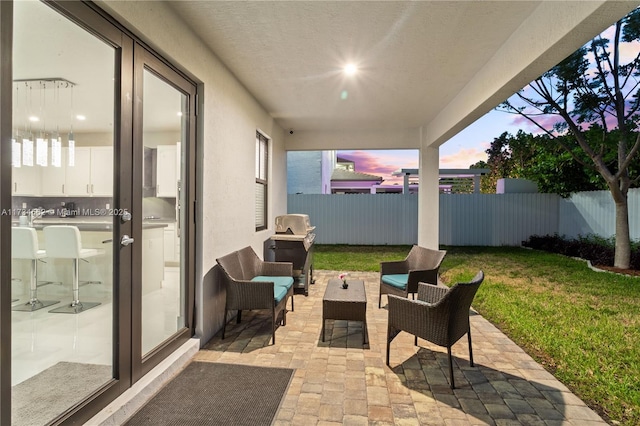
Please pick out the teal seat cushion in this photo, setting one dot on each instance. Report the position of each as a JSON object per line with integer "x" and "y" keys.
{"x": 279, "y": 293}
{"x": 286, "y": 282}
{"x": 396, "y": 280}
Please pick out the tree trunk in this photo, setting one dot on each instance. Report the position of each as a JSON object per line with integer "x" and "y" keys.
{"x": 623, "y": 241}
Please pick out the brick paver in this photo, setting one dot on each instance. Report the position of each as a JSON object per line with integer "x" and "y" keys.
{"x": 341, "y": 381}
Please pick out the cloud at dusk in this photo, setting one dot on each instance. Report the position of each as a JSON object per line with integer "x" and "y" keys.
{"x": 382, "y": 162}
{"x": 463, "y": 158}
{"x": 546, "y": 121}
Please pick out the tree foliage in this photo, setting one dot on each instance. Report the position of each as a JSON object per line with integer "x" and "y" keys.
{"x": 594, "y": 97}
{"x": 541, "y": 159}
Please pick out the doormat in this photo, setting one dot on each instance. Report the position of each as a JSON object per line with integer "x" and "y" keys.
{"x": 208, "y": 393}
{"x": 41, "y": 398}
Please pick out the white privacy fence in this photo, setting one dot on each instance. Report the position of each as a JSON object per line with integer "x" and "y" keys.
{"x": 465, "y": 219}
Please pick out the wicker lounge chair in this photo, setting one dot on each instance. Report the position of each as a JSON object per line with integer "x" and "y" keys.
{"x": 255, "y": 284}
{"x": 402, "y": 277}
{"x": 440, "y": 315}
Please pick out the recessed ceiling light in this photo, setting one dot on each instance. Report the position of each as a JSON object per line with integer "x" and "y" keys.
{"x": 33, "y": 119}
{"x": 350, "y": 69}
{"x": 179, "y": 114}
{"x": 81, "y": 117}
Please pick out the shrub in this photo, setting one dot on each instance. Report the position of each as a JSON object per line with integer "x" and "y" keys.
{"x": 600, "y": 251}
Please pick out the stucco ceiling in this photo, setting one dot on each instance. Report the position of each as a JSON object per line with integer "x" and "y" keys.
{"x": 414, "y": 57}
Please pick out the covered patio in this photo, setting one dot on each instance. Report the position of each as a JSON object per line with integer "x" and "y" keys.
{"x": 425, "y": 71}
{"x": 340, "y": 381}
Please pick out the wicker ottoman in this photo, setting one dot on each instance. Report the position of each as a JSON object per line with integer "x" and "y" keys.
{"x": 348, "y": 304}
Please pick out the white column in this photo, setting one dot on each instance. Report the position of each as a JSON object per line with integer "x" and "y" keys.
{"x": 429, "y": 199}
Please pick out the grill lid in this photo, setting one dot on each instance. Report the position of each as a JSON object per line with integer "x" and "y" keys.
{"x": 297, "y": 224}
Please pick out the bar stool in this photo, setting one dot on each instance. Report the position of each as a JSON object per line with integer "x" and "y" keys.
{"x": 63, "y": 242}
{"x": 24, "y": 245}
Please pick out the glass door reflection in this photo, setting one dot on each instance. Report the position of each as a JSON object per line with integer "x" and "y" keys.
{"x": 164, "y": 115}
{"x": 62, "y": 251}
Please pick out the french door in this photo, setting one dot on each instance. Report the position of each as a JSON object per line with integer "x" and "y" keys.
{"x": 102, "y": 145}
{"x": 163, "y": 132}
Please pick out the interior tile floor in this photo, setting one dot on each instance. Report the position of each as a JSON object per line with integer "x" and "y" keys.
{"x": 340, "y": 381}
{"x": 40, "y": 339}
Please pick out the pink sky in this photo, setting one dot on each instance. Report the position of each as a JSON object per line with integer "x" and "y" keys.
{"x": 382, "y": 162}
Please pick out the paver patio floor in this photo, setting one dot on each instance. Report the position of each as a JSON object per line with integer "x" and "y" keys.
{"x": 340, "y": 381}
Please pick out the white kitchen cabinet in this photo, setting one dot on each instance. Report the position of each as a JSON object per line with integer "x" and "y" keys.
{"x": 152, "y": 259}
{"x": 91, "y": 175}
{"x": 176, "y": 247}
{"x": 26, "y": 180}
{"x": 167, "y": 171}
{"x": 170, "y": 243}
{"x": 102, "y": 171}
{"x": 52, "y": 179}
{"x": 78, "y": 176}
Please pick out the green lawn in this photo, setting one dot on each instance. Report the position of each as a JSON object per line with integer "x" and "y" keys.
{"x": 583, "y": 326}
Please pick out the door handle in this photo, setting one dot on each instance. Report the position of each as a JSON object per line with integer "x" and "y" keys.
{"x": 126, "y": 240}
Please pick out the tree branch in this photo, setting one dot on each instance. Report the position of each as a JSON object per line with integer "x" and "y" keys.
{"x": 634, "y": 109}
{"x": 549, "y": 133}
{"x": 599, "y": 163}
{"x": 630, "y": 70}
{"x": 624, "y": 165}
{"x": 601, "y": 73}
{"x": 619, "y": 98}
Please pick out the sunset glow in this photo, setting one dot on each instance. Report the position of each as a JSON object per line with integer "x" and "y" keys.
{"x": 382, "y": 162}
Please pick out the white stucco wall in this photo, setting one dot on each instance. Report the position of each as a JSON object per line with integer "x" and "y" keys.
{"x": 230, "y": 117}
{"x": 329, "y": 160}
{"x": 353, "y": 139}
{"x": 429, "y": 199}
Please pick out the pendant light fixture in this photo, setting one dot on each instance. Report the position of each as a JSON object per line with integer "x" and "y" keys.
{"x": 71, "y": 151}
{"x": 48, "y": 145}
{"x": 27, "y": 141}
{"x": 16, "y": 147}
{"x": 56, "y": 142}
{"x": 42, "y": 145}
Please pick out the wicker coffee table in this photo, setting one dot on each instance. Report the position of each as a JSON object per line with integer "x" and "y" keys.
{"x": 348, "y": 304}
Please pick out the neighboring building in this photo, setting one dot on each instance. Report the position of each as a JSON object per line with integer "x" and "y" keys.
{"x": 323, "y": 172}
{"x": 309, "y": 172}
{"x": 450, "y": 181}
{"x": 516, "y": 186}
{"x": 348, "y": 182}
{"x": 344, "y": 164}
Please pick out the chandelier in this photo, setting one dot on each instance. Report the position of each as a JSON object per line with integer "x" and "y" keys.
{"x": 41, "y": 107}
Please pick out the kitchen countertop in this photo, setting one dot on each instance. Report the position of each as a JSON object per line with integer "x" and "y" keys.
{"x": 96, "y": 224}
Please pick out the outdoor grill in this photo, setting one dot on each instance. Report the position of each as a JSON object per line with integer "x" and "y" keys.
{"x": 293, "y": 242}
